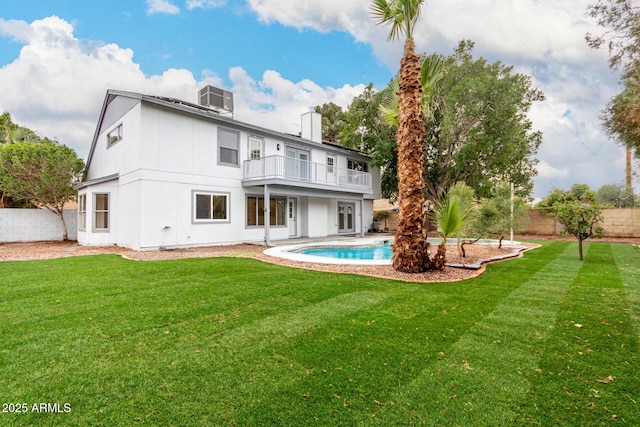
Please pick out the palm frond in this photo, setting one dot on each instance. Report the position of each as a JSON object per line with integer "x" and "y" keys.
{"x": 389, "y": 103}
{"x": 401, "y": 14}
{"x": 448, "y": 217}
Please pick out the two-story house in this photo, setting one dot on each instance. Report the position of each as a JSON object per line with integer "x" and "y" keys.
{"x": 167, "y": 173}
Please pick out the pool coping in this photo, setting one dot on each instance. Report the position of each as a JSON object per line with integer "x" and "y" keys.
{"x": 284, "y": 252}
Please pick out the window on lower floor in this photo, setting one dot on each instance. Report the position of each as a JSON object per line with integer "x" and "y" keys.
{"x": 101, "y": 211}
{"x": 82, "y": 212}
{"x": 255, "y": 211}
{"x": 211, "y": 207}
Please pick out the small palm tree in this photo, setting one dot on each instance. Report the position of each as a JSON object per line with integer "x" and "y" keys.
{"x": 410, "y": 249}
{"x": 453, "y": 215}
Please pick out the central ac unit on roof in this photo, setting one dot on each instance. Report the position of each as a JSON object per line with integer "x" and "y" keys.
{"x": 216, "y": 98}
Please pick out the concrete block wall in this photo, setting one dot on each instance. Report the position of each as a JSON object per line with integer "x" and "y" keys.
{"x": 541, "y": 223}
{"x": 623, "y": 222}
{"x": 35, "y": 225}
{"x": 617, "y": 222}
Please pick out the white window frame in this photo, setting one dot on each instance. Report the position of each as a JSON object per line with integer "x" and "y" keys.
{"x": 229, "y": 145}
{"x": 255, "y": 146}
{"x": 82, "y": 212}
{"x": 212, "y": 195}
{"x": 106, "y": 211}
{"x": 115, "y": 135}
{"x": 331, "y": 163}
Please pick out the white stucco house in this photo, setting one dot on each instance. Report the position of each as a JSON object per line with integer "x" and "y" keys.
{"x": 164, "y": 173}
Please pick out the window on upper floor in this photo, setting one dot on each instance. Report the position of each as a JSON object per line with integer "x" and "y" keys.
{"x": 331, "y": 163}
{"x": 357, "y": 165}
{"x": 114, "y": 136}
{"x": 255, "y": 147}
{"x": 228, "y": 144}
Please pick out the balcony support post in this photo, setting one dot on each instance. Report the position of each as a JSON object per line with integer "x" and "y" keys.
{"x": 267, "y": 216}
{"x": 362, "y": 217}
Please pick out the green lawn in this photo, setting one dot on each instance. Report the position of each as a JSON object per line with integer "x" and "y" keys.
{"x": 541, "y": 340}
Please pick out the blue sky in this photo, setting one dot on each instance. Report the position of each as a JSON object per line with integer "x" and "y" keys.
{"x": 209, "y": 39}
{"x": 279, "y": 57}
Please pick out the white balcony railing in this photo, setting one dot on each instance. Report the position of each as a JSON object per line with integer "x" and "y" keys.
{"x": 301, "y": 171}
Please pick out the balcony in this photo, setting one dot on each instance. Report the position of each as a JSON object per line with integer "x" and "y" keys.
{"x": 283, "y": 170}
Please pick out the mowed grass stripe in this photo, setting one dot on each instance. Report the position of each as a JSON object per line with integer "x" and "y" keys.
{"x": 588, "y": 372}
{"x": 481, "y": 380}
{"x": 210, "y": 333}
{"x": 179, "y": 363}
{"x": 355, "y": 368}
{"x": 627, "y": 258}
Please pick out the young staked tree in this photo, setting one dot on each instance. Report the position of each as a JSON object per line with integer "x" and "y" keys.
{"x": 575, "y": 209}
{"x": 410, "y": 248}
{"x": 42, "y": 173}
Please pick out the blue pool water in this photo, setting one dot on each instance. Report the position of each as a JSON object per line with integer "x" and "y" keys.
{"x": 381, "y": 251}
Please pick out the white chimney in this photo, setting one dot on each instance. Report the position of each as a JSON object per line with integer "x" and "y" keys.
{"x": 312, "y": 125}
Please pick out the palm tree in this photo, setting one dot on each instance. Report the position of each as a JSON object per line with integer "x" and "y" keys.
{"x": 453, "y": 215}
{"x": 410, "y": 248}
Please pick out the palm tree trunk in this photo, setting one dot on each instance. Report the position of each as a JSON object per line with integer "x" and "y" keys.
{"x": 410, "y": 249}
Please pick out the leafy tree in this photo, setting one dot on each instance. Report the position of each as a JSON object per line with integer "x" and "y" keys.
{"x": 615, "y": 195}
{"x": 578, "y": 193}
{"x": 332, "y": 121}
{"x": 580, "y": 220}
{"x": 483, "y": 134}
{"x": 366, "y": 130}
{"x": 575, "y": 209}
{"x": 478, "y": 131}
{"x": 621, "y": 19}
{"x": 621, "y": 117}
{"x": 42, "y": 173}
{"x": 11, "y": 132}
{"x": 410, "y": 248}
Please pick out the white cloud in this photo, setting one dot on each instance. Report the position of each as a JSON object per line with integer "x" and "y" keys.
{"x": 57, "y": 84}
{"x": 162, "y": 6}
{"x": 545, "y": 170}
{"x": 351, "y": 16}
{"x": 277, "y": 103}
{"x": 41, "y": 87}
{"x": 205, "y": 4}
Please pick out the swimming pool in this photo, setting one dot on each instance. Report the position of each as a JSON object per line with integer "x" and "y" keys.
{"x": 362, "y": 251}
{"x": 379, "y": 251}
